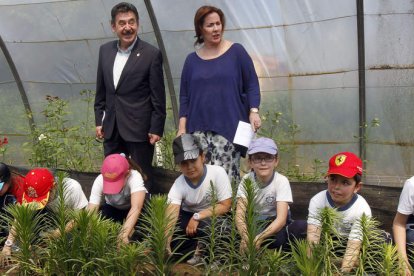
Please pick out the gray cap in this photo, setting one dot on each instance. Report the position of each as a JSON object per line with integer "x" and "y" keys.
{"x": 262, "y": 144}
{"x": 185, "y": 147}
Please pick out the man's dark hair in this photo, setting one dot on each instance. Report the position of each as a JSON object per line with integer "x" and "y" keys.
{"x": 357, "y": 178}
{"x": 122, "y": 8}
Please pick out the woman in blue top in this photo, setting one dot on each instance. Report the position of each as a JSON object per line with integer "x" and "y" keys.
{"x": 219, "y": 88}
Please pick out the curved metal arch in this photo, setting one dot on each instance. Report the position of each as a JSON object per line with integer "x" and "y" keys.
{"x": 167, "y": 68}
{"x": 18, "y": 82}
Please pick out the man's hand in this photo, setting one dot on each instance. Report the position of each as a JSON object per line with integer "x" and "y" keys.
{"x": 153, "y": 138}
{"x": 99, "y": 132}
{"x": 191, "y": 229}
{"x": 5, "y": 255}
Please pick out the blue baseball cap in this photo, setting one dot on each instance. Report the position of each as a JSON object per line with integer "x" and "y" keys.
{"x": 262, "y": 144}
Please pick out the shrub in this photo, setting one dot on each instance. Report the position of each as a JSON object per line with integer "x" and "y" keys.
{"x": 57, "y": 143}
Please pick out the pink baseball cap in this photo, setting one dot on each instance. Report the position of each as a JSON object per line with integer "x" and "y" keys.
{"x": 114, "y": 170}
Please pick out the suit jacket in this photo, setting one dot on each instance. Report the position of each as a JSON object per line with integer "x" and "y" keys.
{"x": 137, "y": 105}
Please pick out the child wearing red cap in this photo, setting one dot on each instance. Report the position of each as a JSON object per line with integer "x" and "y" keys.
{"x": 272, "y": 198}
{"x": 403, "y": 225}
{"x": 344, "y": 182}
{"x": 40, "y": 191}
{"x": 122, "y": 186}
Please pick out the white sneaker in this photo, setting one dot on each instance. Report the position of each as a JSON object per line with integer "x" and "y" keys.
{"x": 195, "y": 260}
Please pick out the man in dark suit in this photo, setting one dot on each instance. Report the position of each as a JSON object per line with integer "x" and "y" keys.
{"x": 130, "y": 95}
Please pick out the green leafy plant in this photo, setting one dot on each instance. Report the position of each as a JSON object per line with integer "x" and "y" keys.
{"x": 284, "y": 132}
{"x": 391, "y": 262}
{"x": 26, "y": 224}
{"x": 330, "y": 242}
{"x": 56, "y": 143}
{"x": 376, "y": 256}
{"x": 91, "y": 247}
{"x": 279, "y": 128}
{"x": 164, "y": 156}
{"x": 3, "y": 147}
{"x": 369, "y": 127}
{"x": 275, "y": 262}
{"x": 210, "y": 242}
{"x": 88, "y": 248}
{"x": 251, "y": 259}
{"x": 156, "y": 223}
{"x": 228, "y": 245}
{"x": 303, "y": 262}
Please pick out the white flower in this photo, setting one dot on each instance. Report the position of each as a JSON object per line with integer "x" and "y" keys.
{"x": 41, "y": 137}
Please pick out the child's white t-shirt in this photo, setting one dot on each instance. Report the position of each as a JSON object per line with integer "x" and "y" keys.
{"x": 121, "y": 201}
{"x": 277, "y": 190}
{"x": 73, "y": 195}
{"x": 351, "y": 214}
{"x": 406, "y": 202}
{"x": 197, "y": 198}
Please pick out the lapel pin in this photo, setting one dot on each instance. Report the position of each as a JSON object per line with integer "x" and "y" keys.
{"x": 138, "y": 54}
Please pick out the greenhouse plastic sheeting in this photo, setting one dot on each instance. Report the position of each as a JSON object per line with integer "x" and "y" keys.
{"x": 305, "y": 54}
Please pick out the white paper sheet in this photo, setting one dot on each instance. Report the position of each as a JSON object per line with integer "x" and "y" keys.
{"x": 244, "y": 134}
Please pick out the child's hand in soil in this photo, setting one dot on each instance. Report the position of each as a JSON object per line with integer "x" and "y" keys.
{"x": 5, "y": 256}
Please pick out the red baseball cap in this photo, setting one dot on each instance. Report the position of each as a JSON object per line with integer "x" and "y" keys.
{"x": 37, "y": 185}
{"x": 114, "y": 170}
{"x": 346, "y": 164}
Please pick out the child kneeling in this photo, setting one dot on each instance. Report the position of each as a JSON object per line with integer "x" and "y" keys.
{"x": 344, "y": 182}
{"x": 272, "y": 195}
{"x": 190, "y": 198}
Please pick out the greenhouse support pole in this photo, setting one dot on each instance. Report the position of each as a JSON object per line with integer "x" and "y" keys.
{"x": 361, "y": 77}
{"x": 19, "y": 82}
{"x": 167, "y": 68}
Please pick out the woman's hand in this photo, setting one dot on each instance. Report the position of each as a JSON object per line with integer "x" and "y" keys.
{"x": 255, "y": 121}
{"x": 180, "y": 132}
{"x": 182, "y": 126}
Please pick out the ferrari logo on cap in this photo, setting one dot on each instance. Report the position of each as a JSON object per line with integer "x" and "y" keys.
{"x": 340, "y": 159}
{"x": 31, "y": 192}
